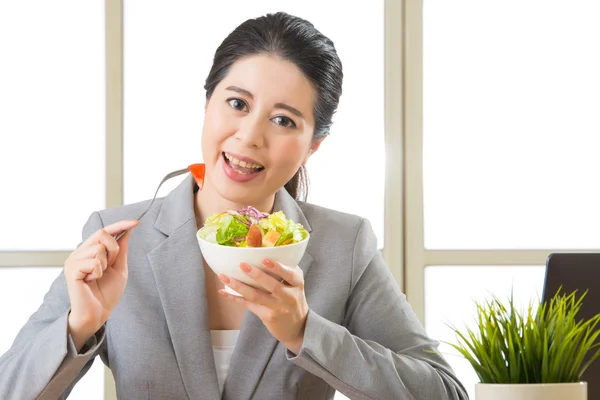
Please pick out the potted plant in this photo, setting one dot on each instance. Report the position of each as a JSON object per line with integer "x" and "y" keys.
{"x": 540, "y": 354}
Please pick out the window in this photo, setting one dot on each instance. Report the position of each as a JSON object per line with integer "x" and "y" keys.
{"x": 52, "y": 141}
{"x": 510, "y": 125}
{"x": 501, "y": 135}
{"x": 52, "y": 97}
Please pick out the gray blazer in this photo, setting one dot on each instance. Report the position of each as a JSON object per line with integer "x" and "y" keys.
{"x": 362, "y": 337}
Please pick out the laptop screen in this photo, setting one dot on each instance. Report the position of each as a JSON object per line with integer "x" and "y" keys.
{"x": 579, "y": 272}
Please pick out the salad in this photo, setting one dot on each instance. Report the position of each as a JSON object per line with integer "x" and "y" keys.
{"x": 249, "y": 227}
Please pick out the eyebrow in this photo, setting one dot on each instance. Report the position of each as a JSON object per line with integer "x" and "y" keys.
{"x": 284, "y": 106}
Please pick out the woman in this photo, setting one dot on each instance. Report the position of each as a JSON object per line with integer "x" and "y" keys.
{"x": 152, "y": 309}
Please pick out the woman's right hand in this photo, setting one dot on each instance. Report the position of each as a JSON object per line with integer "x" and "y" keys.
{"x": 96, "y": 274}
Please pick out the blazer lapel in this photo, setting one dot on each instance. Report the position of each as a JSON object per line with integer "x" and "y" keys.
{"x": 178, "y": 270}
{"x": 255, "y": 344}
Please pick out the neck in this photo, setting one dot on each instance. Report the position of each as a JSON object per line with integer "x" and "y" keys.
{"x": 208, "y": 202}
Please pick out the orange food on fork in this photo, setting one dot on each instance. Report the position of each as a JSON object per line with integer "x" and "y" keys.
{"x": 198, "y": 171}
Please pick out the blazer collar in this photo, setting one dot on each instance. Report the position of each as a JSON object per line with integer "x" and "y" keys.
{"x": 178, "y": 207}
{"x": 178, "y": 269}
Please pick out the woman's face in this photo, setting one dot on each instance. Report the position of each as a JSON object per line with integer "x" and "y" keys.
{"x": 258, "y": 129}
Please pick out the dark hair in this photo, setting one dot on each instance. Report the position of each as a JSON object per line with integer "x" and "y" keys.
{"x": 296, "y": 40}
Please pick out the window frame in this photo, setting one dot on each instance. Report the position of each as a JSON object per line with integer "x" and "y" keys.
{"x": 417, "y": 257}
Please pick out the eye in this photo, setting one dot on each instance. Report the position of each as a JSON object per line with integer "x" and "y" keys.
{"x": 284, "y": 121}
{"x": 237, "y": 104}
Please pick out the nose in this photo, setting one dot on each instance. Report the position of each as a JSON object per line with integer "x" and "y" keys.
{"x": 251, "y": 132}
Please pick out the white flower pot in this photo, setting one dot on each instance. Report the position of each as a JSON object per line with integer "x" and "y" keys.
{"x": 543, "y": 391}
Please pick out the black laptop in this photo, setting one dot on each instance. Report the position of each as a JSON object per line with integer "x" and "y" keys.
{"x": 581, "y": 272}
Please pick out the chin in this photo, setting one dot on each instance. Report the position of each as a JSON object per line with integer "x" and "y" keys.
{"x": 244, "y": 196}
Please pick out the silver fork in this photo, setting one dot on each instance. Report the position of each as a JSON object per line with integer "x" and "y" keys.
{"x": 166, "y": 178}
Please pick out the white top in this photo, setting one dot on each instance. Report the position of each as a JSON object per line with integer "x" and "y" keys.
{"x": 223, "y": 343}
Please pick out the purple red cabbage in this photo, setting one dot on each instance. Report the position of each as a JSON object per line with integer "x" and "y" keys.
{"x": 251, "y": 213}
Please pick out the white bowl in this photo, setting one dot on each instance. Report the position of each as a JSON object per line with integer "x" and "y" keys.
{"x": 226, "y": 259}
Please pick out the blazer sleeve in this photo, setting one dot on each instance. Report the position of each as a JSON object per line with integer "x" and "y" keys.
{"x": 42, "y": 362}
{"x": 382, "y": 350}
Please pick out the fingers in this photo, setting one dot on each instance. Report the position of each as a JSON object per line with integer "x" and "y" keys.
{"x": 255, "y": 308}
{"x": 96, "y": 273}
{"x": 87, "y": 270}
{"x": 271, "y": 283}
{"x": 100, "y": 251}
{"x": 105, "y": 236}
{"x": 118, "y": 227}
{"x": 120, "y": 264}
{"x": 250, "y": 294}
{"x": 276, "y": 279}
{"x": 111, "y": 245}
{"x": 97, "y": 250}
{"x": 100, "y": 254}
{"x": 292, "y": 275}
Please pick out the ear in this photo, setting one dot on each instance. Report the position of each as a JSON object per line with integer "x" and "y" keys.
{"x": 313, "y": 148}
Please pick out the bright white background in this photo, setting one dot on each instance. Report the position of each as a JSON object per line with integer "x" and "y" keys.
{"x": 51, "y": 121}
{"x": 51, "y": 147}
{"x": 511, "y": 130}
{"x": 511, "y": 124}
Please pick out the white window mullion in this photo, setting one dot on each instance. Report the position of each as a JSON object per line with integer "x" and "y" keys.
{"x": 14, "y": 259}
{"x": 114, "y": 128}
{"x": 492, "y": 257}
{"x": 413, "y": 153}
{"x": 393, "y": 221}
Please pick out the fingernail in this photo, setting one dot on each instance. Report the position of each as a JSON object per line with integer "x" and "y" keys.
{"x": 245, "y": 267}
{"x": 268, "y": 263}
{"x": 224, "y": 278}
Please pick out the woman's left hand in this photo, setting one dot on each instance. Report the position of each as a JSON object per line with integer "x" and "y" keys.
{"x": 282, "y": 307}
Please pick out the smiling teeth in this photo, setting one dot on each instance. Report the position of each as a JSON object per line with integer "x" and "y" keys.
{"x": 241, "y": 163}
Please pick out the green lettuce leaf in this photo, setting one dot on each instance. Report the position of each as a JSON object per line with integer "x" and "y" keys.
{"x": 224, "y": 229}
{"x": 231, "y": 229}
{"x": 290, "y": 231}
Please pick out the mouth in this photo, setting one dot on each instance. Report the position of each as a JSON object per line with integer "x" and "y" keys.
{"x": 243, "y": 167}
